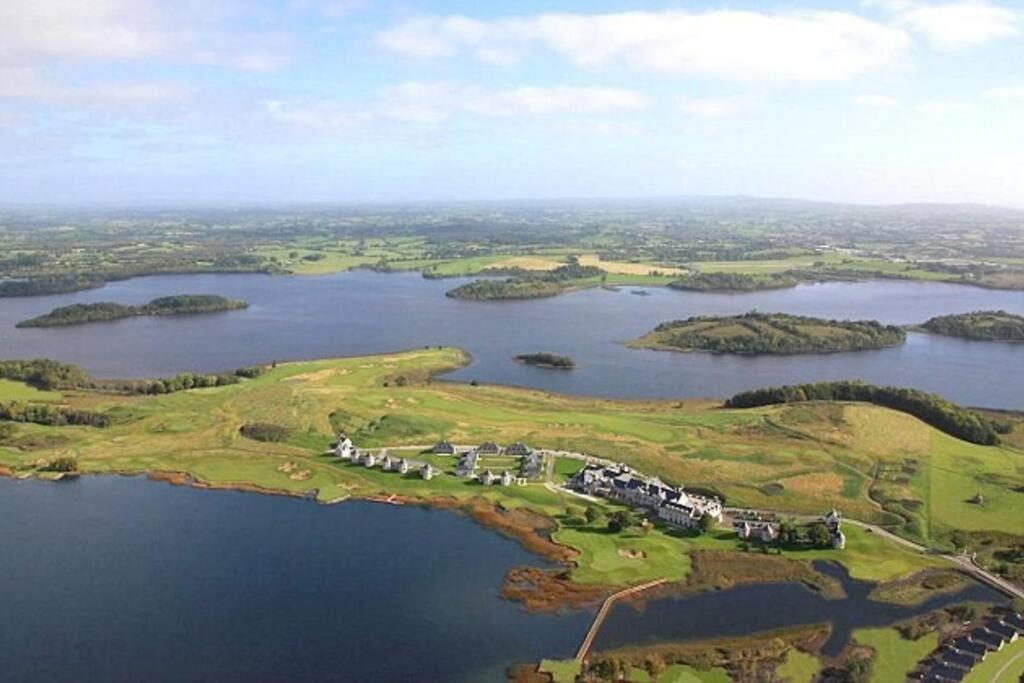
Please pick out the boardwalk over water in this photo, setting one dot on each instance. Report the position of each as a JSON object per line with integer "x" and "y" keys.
{"x": 606, "y": 607}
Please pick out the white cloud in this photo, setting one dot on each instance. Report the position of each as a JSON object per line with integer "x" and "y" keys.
{"x": 1010, "y": 92}
{"x": 190, "y": 31}
{"x": 733, "y": 45}
{"x": 710, "y": 108}
{"x": 943, "y": 107}
{"x": 878, "y": 101}
{"x": 956, "y": 25}
{"x": 24, "y": 83}
{"x": 438, "y": 102}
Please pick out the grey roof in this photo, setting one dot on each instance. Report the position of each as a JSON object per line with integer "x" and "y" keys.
{"x": 946, "y": 673}
{"x": 991, "y": 640}
{"x": 1016, "y": 621}
{"x": 1006, "y": 632}
{"x": 959, "y": 661}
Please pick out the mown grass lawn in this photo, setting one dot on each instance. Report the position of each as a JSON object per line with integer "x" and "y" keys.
{"x": 680, "y": 673}
{"x": 1005, "y": 666}
{"x": 798, "y": 667}
{"x": 895, "y": 656}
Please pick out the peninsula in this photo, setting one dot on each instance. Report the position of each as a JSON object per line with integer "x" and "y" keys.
{"x": 979, "y": 326}
{"x": 183, "y": 304}
{"x": 525, "y": 284}
{"x": 770, "y": 333}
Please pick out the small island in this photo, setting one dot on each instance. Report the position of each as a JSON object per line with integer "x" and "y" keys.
{"x": 733, "y": 282}
{"x": 770, "y": 333}
{"x": 546, "y": 360}
{"x": 979, "y": 326}
{"x": 183, "y": 304}
{"x": 528, "y": 284}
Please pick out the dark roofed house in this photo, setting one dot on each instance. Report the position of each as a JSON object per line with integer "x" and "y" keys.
{"x": 1007, "y": 633}
{"x": 941, "y": 672}
{"x": 1015, "y": 621}
{"x": 488, "y": 448}
{"x": 967, "y": 646}
{"x": 518, "y": 448}
{"x": 444, "y": 448}
{"x": 990, "y": 640}
{"x": 531, "y": 465}
{"x": 959, "y": 661}
{"x": 467, "y": 464}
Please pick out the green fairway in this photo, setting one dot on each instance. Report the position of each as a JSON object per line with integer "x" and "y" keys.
{"x": 17, "y": 391}
{"x": 680, "y": 673}
{"x": 1005, "y": 666}
{"x": 895, "y": 656}
{"x": 801, "y": 459}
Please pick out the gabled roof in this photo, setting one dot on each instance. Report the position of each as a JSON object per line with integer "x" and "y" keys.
{"x": 965, "y": 644}
{"x": 986, "y": 637}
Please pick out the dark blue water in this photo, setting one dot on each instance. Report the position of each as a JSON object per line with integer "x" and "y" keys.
{"x": 752, "y": 608}
{"x": 362, "y": 312}
{"x": 117, "y": 579}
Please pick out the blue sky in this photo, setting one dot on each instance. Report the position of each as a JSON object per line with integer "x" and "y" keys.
{"x": 228, "y": 101}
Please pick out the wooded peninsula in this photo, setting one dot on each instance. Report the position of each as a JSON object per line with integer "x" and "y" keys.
{"x": 184, "y": 304}
{"x": 757, "y": 333}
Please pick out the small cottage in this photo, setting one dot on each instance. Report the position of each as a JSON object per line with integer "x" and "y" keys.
{"x": 507, "y": 478}
{"x": 444, "y": 448}
{"x": 427, "y": 472}
{"x": 518, "y": 449}
{"x": 489, "y": 448}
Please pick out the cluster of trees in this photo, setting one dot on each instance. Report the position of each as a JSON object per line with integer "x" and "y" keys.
{"x": 50, "y": 415}
{"x": 776, "y": 333}
{"x": 77, "y": 314}
{"x": 49, "y": 284}
{"x": 47, "y": 374}
{"x": 981, "y": 325}
{"x": 527, "y": 284}
{"x": 548, "y": 360}
{"x": 733, "y": 282}
{"x": 938, "y": 412}
{"x": 43, "y": 373}
{"x": 63, "y": 463}
{"x": 264, "y": 431}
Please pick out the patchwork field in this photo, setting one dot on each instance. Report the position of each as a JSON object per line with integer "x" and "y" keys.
{"x": 872, "y": 463}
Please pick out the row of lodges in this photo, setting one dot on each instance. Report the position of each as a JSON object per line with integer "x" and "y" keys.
{"x": 619, "y": 482}
{"x": 954, "y": 661}
{"x": 346, "y": 451}
{"x": 750, "y": 527}
{"x": 531, "y": 462}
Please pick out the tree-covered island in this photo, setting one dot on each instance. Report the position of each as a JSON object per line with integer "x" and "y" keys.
{"x": 546, "y": 360}
{"x": 183, "y": 304}
{"x": 733, "y": 282}
{"x": 979, "y": 325}
{"x": 757, "y": 333}
{"x": 526, "y": 284}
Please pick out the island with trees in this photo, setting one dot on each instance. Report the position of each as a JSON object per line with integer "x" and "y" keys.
{"x": 525, "y": 284}
{"x": 733, "y": 282}
{"x": 979, "y": 325}
{"x": 546, "y": 360}
{"x": 182, "y": 304}
{"x": 757, "y": 333}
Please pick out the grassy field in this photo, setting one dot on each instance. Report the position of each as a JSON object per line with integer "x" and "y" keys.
{"x": 802, "y": 459}
{"x": 680, "y": 673}
{"x": 895, "y": 656}
{"x": 17, "y": 391}
{"x": 560, "y": 670}
{"x": 799, "y": 667}
{"x": 1005, "y": 666}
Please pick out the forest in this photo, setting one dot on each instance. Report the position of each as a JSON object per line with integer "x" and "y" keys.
{"x": 184, "y": 304}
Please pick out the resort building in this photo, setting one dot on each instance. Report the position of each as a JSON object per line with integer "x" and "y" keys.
{"x": 488, "y": 448}
{"x": 507, "y": 478}
{"x": 444, "y": 448}
{"x": 427, "y": 472}
{"x": 403, "y": 466}
{"x": 518, "y": 449}
{"x": 833, "y": 522}
{"x": 531, "y": 465}
{"x": 468, "y": 462}
{"x": 344, "y": 448}
{"x": 487, "y": 478}
{"x": 369, "y": 459}
{"x": 673, "y": 505}
{"x": 756, "y": 530}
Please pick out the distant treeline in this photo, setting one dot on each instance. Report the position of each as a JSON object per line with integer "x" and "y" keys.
{"x": 526, "y": 284}
{"x": 981, "y": 325}
{"x": 47, "y": 374}
{"x": 733, "y": 282}
{"x": 77, "y": 314}
{"x": 930, "y": 408}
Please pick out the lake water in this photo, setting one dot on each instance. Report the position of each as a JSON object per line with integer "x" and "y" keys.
{"x": 120, "y": 579}
{"x": 362, "y": 312}
{"x": 742, "y": 610}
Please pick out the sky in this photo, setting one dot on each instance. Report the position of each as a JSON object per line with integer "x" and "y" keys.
{"x": 246, "y": 101}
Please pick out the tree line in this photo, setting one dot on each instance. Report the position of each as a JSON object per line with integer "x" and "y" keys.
{"x": 181, "y": 304}
{"x": 930, "y": 408}
{"x": 50, "y": 375}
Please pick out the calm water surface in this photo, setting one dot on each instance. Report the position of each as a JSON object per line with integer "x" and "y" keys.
{"x": 118, "y": 579}
{"x": 362, "y": 312}
{"x": 742, "y": 610}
